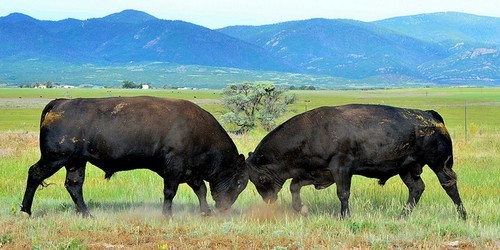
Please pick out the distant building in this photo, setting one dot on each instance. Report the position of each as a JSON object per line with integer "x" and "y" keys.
{"x": 145, "y": 86}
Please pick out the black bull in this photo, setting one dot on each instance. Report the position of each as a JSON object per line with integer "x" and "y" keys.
{"x": 330, "y": 144}
{"x": 176, "y": 139}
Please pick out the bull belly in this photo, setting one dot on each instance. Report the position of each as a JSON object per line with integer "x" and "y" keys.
{"x": 319, "y": 178}
{"x": 382, "y": 174}
{"x": 124, "y": 164}
{"x": 382, "y": 171}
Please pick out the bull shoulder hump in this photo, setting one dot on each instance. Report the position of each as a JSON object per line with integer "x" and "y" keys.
{"x": 437, "y": 122}
{"x": 436, "y": 115}
{"x": 432, "y": 124}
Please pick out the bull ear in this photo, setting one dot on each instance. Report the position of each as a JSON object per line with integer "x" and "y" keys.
{"x": 260, "y": 159}
{"x": 240, "y": 161}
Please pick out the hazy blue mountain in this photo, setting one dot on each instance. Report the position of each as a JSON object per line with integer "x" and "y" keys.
{"x": 345, "y": 48}
{"x": 441, "y": 47}
{"x": 23, "y": 36}
{"x": 468, "y": 63}
{"x": 473, "y": 43}
{"x": 128, "y": 16}
{"x": 450, "y": 27}
{"x": 129, "y": 36}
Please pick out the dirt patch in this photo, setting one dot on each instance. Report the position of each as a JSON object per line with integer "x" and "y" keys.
{"x": 15, "y": 103}
{"x": 262, "y": 212}
{"x": 205, "y": 101}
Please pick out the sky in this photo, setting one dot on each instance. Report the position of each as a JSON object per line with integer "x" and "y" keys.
{"x": 221, "y": 13}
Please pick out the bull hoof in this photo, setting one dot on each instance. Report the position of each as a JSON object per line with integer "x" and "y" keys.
{"x": 24, "y": 215}
{"x": 304, "y": 210}
{"x": 168, "y": 216}
{"x": 87, "y": 215}
{"x": 225, "y": 213}
{"x": 206, "y": 213}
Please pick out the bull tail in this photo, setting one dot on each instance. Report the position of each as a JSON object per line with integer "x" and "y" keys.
{"x": 449, "y": 172}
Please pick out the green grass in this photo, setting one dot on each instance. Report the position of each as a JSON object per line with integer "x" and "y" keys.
{"x": 128, "y": 207}
{"x": 14, "y": 73}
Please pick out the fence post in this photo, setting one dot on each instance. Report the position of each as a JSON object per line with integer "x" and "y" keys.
{"x": 307, "y": 102}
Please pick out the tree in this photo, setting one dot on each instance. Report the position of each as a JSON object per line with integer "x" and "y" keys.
{"x": 249, "y": 103}
{"x": 130, "y": 85}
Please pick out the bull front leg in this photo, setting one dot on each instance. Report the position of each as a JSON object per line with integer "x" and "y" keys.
{"x": 200, "y": 189}
{"x": 416, "y": 187}
{"x": 297, "y": 204}
{"x": 75, "y": 176}
{"x": 170, "y": 186}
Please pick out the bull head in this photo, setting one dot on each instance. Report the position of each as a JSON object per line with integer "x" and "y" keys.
{"x": 266, "y": 182}
{"x": 231, "y": 183}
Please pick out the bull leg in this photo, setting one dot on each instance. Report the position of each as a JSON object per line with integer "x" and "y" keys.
{"x": 170, "y": 186}
{"x": 415, "y": 187}
{"x": 200, "y": 189}
{"x": 36, "y": 175}
{"x": 343, "y": 192}
{"x": 343, "y": 179}
{"x": 297, "y": 204}
{"x": 75, "y": 177}
{"x": 448, "y": 179}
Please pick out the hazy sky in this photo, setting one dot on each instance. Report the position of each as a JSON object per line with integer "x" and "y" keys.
{"x": 221, "y": 13}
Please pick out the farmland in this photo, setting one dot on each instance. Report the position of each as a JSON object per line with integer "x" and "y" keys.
{"x": 127, "y": 208}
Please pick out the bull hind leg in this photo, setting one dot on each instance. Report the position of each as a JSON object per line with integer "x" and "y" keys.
{"x": 448, "y": 179}
{"x": 200, "y": 189}
{"x": 416, "y": 187}
{"x": 36, "y": 175}
{"x": 75, "y": 176}
{"x": 339, "y": 167}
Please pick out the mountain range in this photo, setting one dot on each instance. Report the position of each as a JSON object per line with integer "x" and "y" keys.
{"x": 449, "y": 48}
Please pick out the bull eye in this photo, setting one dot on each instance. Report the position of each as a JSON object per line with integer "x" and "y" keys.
{"x": 262, "y": 179}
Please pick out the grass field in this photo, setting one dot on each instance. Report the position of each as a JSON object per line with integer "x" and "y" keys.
{"x": 127, "y": 208}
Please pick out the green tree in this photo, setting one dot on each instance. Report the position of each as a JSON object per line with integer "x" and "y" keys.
{"x": 130, "y": 85}
{"x": 252, "y": 103}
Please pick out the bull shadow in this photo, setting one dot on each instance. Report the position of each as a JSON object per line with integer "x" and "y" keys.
{"x": 367, "y": 199}
{"x": 124, "y": 208}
